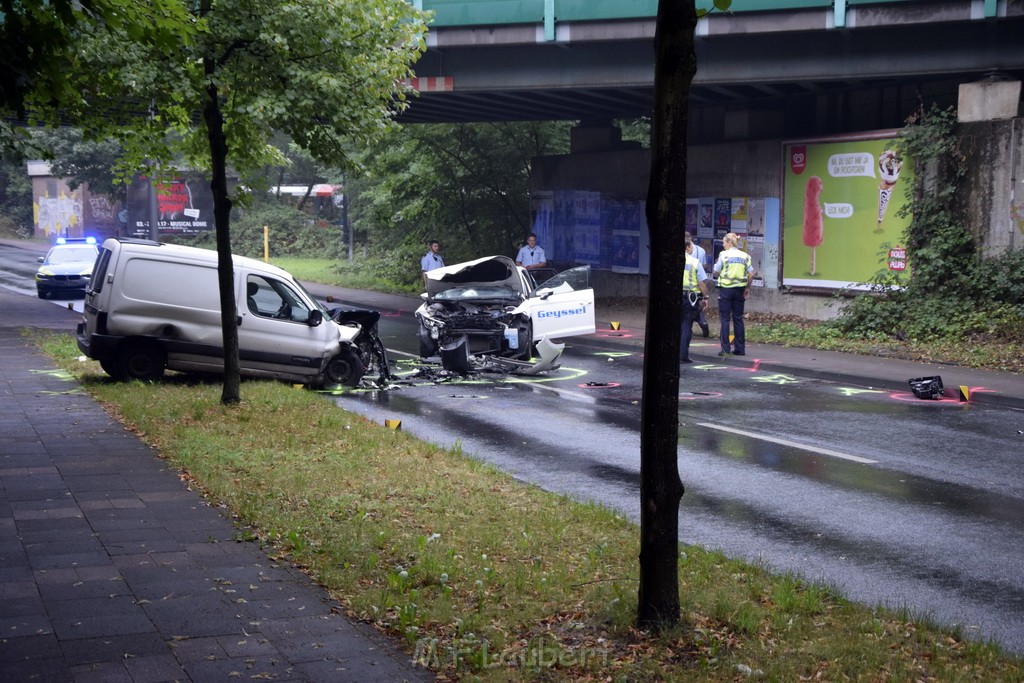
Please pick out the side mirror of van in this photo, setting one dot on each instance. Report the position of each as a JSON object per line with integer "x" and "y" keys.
{"x": 315, "y": 317}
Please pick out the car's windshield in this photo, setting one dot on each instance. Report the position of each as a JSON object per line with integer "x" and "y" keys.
{"x": 477, "y": 292}
{"x": 316, "y": 302}
{"x": 71, "y": 254}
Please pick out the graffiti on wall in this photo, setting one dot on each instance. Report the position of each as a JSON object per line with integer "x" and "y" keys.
{"x": 57, "y": 215}
{"x": 101, "y": 207}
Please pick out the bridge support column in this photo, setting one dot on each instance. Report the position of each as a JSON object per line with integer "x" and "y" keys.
{"x": 595, "y": 136}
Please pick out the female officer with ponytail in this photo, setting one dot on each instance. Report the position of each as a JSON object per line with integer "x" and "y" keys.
{"x": 735, "y": 272}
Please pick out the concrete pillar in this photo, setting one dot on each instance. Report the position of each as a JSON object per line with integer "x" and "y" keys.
{"x": 991, "y": 133}
{"x": 594, "y": 136}
{"x": 994, "y": 98}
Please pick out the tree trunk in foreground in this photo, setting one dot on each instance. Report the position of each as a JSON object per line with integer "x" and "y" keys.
{"x": 660, "y": 487}
{"x": 232, "y": 391}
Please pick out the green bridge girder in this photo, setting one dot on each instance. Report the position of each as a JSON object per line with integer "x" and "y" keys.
{"x": 498, "y": 12}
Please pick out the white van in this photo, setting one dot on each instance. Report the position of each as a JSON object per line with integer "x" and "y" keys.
{"x": 151, "y": 306}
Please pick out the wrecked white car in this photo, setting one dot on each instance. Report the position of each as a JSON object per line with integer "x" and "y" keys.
{"x": 491, "y": 307}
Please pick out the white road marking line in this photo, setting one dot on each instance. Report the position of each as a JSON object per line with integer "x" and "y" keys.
{"x": 792, "y": 444}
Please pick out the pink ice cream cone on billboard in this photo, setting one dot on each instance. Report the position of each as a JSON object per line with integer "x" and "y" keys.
{"x": 814, "y": 227}
{"x": 889, "y": 172}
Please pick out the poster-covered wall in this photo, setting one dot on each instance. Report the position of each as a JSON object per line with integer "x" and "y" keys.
{"x": 587, "y": 227}
{"x": 755, "y": 220}
{"x": 841, "y": 204}
{"x": 610, "y": 233}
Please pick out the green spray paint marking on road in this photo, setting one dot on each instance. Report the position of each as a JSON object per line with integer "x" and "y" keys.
{"x": 850, "y": 391}
{"x": 59, "y": 374}
{"x": 777, "y": 379}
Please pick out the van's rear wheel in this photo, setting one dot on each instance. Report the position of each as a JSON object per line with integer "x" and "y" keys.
{"x": 144, "y": 361}
{"x": 344, "y": 368}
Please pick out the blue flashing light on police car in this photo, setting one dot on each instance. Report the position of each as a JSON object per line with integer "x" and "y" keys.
{"x": 69, "y": 240}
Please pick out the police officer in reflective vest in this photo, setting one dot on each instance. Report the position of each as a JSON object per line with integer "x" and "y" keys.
{"x": 700, "y": 255}
{"x": 735, "y": 274}
{"x": 695, "y": 298}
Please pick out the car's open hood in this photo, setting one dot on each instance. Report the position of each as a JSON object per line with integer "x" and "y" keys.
{"x": 489, "y": 270}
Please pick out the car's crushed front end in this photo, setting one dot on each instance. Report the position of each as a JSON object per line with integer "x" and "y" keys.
{"x": 476, "y": 303}
{"x": 489, "y": 314}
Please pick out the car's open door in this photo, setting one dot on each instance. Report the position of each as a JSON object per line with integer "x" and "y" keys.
{"x": 562, "y": 306}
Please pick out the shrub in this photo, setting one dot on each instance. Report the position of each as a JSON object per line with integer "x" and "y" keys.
{"x": 292, "y": 233}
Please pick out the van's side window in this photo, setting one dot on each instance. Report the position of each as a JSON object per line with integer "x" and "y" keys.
{"x": 270, "y": 298}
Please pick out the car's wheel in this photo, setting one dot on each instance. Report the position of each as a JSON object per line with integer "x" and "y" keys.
{"x": 455, "y": 355}
{"x": 144, "y": 361}
{"x": 43, "y": 294}
{"x": 380, "y": 355}
{"x": 344, "y": 368}
{"x": 526, "y": 342}
{"x": 111, "y": 367}
{"x": 428, "y": 346}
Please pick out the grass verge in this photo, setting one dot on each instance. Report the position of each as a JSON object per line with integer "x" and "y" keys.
{"x": 357, "y": 275}
{"x": 485, "y": 578}
{"x": 976, "y": 351}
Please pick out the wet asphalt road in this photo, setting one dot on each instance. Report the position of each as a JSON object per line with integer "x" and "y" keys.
{"x": 892, "y": 500}
{"x": 895, "y": 501}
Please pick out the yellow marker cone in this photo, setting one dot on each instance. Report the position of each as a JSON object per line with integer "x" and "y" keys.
{"x": 731, "y": 338}
{"x": 393, "y": 424}
{"x": 965, "y": 393}
{"x": 615, "y": 326}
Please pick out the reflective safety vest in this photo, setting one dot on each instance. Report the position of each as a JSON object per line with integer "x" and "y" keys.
{"x": 733, "y": 266}
{"x": 690, "y": 274}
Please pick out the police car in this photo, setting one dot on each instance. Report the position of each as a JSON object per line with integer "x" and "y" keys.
{"x": 492, "y": 307}
{"x": 67, "y": 267}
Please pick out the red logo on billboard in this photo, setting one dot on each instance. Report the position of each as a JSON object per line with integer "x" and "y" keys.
{"x": 798, "y": 158}
{"x": 897, "y": 259}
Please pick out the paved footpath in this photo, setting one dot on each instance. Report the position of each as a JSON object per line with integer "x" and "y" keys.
{"x": 111, "y": 569}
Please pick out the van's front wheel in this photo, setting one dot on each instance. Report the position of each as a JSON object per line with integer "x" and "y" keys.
{"x": 344, "y": 368}
{"x": 113, "y": 368}
{"x": 144, "y": 361}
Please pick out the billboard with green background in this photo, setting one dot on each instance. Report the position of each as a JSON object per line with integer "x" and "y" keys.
{"x": 841, "y": 198}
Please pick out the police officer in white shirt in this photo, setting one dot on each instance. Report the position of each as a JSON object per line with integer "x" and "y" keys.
{"x": 531, "y": 256}
{"x": 432, "y": 259}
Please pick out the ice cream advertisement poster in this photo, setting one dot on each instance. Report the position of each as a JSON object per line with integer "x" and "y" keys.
{"x": 840, "y": 213}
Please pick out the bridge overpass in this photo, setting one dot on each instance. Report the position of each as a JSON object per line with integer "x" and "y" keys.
{"x": 785, "y": 66}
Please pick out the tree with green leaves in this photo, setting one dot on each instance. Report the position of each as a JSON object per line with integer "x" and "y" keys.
{"x": 40, "y": 43}
{"x": 675, "y": 63}
{"x": 466, "y": 185}
{"x": 81, "y": 161}
{"x": 325, "y": 73}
